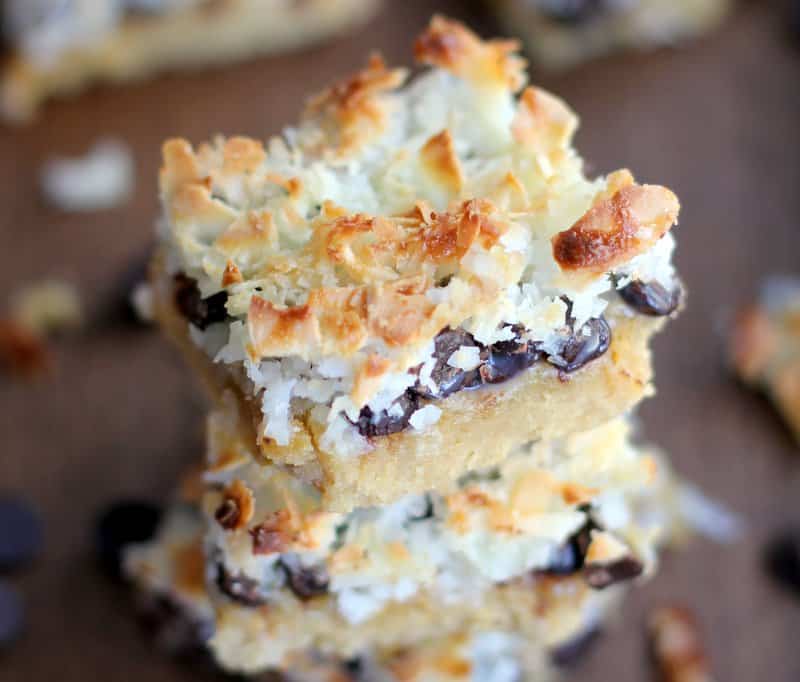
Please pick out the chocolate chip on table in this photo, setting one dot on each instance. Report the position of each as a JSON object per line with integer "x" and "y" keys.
{"x": 651, "y": 298}
{"x": 305, "y": 581}
{"x": 782, "y": 559}
{"x": 201, "y": 312}
{"x": 572, "y": 12}
{"x": 240, "y": 588}
{"x": 120, "y": 525}
{"x": 599, "y": 576}
{"x": 20, "y": 533}
{"x": 12, "y": 615}
{"x": 585, "y": 345}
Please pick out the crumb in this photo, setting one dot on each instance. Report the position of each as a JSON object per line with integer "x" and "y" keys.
{"x": 101, "y": 179}
{"x": 23, "y": 352}
{"x": 676, "y": 646}
{"x": 47, "y": 307}
{"x": 141, "y": 299}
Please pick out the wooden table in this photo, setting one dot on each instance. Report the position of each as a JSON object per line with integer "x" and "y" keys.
{"x": 717, "y": 122}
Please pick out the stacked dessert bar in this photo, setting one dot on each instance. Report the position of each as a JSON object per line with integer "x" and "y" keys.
{"x": 563, "y": 33}
{"x": 422, "y": 327}
{"x": 60, "y": 46}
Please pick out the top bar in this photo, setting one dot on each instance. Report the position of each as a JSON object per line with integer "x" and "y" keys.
{"x": 417, "y": 278}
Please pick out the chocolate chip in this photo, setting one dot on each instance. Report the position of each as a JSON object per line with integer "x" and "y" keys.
{"x": 650, "y": 298}
{"x": 782, "y": 559}
{"x": 20, "y": 533}
{"x": 121, "y": 525}
{"x": 506, "y": 359}
{"x": 305, "y": 581}
{"x": 449, "y": 379}
{"x": 570, "y": 557}
{"x": 600, "y": 576}
{"x": 573, "y": 12}
{"x": 568, "y": 653}
{"x": 240, "y": 588}
{"x": 12, "y": 615}
{"x": 173, "y": 629}
{"x": 386, "y": 423}
{"x": 227, "y": 514}
{"x": 201, "y": 312}
{"x": 585, "y": 345}
{"x": 566, "y": 561}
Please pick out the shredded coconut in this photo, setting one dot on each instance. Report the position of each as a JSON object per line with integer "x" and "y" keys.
{"x": 100, "y": 180}
{"x": 425, "y": 417}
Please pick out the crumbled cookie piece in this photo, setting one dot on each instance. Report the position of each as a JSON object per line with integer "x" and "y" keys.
{"x": 47, "y": 307}
{"x": 100, "y": 180}
{"x": 676, "y": 646}
{"x": 22, "y": 352}
{"x": 765, "y": 346}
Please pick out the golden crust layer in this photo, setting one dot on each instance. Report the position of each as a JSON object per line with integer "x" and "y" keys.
{"x": 540, "y": 403}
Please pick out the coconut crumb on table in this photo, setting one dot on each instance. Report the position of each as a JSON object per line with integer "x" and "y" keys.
{"x": 676, "y": 646}
{"x": 102, "y": 179}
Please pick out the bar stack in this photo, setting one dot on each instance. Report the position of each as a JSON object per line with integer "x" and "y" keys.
{"x": 423, "y": 329}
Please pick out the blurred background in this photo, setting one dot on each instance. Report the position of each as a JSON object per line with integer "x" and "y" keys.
{"x": 717, "y": 120}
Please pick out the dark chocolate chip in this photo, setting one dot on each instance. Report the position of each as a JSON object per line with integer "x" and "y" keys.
{"x": 566, "y": 561}
{"x": 305, "y": 581}
{"x": 449, "y": 379}
{"x": 426, "y": 510}
{"x": 201, "y": 312}
{"x": 506, "y": 359}
{"x": 573, "y": 12}
{"x": 570, "y": 652}
{"x": 12, "y": 615}
{"x": 21, "y": 534}
{"x": 384, "y": 423}
{"x": 240, "y": 588}
{"x": 570, "y": 557}
{"x": 782, "y": 559}
{"x": 600, "y": 576}
{"x": 172, "y": 628}
{"x": 651, "y": 298}
{"x": 123, "y": 524}
{"x": 585, "y": 345}
{"x": 228, "y": 513}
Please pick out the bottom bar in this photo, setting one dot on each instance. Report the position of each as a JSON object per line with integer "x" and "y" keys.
{"x": 505, "y": 574}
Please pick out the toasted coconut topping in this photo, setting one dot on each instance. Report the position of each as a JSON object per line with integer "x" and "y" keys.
{"x": 237, "y": 508}
{"x": 351, "y": 112}
{"x": 439, "y": 158}
{"x": 617, "y": 229}
{"x": 451, "y": 46}
{"x": 391, "y": 213}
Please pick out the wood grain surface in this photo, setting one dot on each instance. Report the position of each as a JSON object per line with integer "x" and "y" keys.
{"x": 718, "y": 122}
